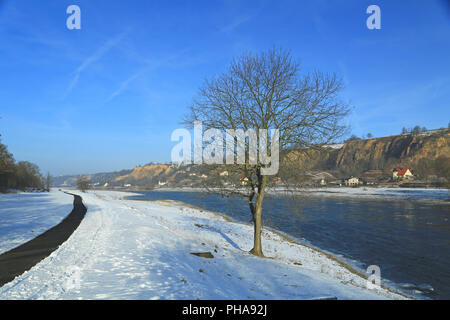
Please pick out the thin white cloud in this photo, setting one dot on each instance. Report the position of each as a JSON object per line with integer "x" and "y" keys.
{"x": 124, "y": 85}
{"x": 91, "y": 59}
{"x": 72, "y": 84}
{"x": 235, "y": 23}
{"x": 150, "y": 65}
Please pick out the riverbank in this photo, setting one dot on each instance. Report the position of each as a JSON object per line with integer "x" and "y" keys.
{"x": 126, "y": 249}
{"x": 348, "y": 192}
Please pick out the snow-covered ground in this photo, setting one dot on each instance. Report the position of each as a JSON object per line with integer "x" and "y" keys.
{"x": 23, "y": 216}
{"x": 127, "y": 249}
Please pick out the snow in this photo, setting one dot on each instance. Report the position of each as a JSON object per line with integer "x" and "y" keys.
{"x": 335, "y": 146}
{"x": 126, "y": 249}
{"x": 370, "y": 192}
{"x": 23, "y": 216}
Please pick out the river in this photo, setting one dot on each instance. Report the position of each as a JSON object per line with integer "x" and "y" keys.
{"x": 409, "y": 239}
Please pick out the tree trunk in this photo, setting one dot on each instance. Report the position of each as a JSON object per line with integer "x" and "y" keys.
{"x": 252, "y": 206}
{"x": 257, "y": 223}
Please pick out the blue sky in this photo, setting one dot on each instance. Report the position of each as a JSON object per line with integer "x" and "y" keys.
{"x": 107, "y": 97}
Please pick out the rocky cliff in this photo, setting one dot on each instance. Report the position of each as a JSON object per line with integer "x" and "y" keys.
{"x": 426, "y": 154}
{"x": 148, "y": 173}
{"x": 420, "y": 152}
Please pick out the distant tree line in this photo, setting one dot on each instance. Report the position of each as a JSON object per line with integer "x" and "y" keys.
{"x": 19, "y": 175}
{"x": 83, "y": 184}
{"x": 355, "y": 137}
{"x": 415, "y": 130}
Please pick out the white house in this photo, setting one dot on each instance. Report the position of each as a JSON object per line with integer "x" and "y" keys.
{"x": 352, "y": 181}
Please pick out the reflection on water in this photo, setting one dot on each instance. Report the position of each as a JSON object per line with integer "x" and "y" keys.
{"x": 409, "y": 240}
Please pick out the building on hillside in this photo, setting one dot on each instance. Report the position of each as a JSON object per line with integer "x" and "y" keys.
{"x": 402, "y": 173}
{"x": 320, "y": 182}
{"x": 352, "y": 182}
{"x": 162, "y": 183}
{"x": 244, "y": 181}
{"x": 224, "y": 174}
{"x": 276, "y": 179}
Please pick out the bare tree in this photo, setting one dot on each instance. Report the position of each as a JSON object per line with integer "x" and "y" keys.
{"x": 47, "y": 182}
{"x": 353, "y": 138}
{"x": 83, "y": 184}
{"x": 268, "y": 91}
{"x": 416, "y": 130}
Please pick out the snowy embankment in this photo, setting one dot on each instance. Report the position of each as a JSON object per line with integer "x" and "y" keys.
{"x": 23, "y": 216}
{"x": 442, "y": 195}
{"x": 127, "y": 249}
{"x": 348, "y": 192}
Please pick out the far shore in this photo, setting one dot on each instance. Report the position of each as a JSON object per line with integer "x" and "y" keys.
{"x": 367, "y": 192}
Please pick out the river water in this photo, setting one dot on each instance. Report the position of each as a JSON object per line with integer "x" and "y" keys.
{"x": 409, "y": 239}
